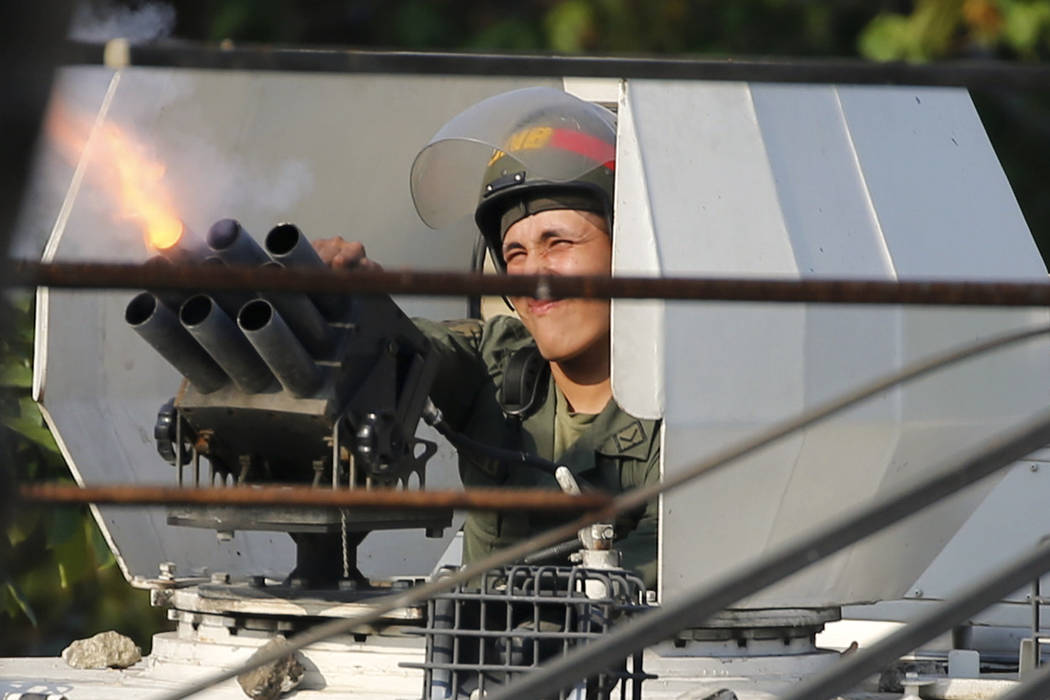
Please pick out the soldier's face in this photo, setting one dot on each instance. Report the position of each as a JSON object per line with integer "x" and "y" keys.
{"x": 562, "y": 242}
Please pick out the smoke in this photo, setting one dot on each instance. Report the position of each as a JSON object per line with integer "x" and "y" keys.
{"x": 276, "y": 192}
{"x": 182, "y": 147}
{"x": 190, "y": 126}
{"x": 102, "y": 20}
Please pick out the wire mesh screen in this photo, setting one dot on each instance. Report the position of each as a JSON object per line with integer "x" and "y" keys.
{"x": 483, "y": 635}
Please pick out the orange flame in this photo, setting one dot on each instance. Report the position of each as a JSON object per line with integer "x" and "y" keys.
{"x": 126, "y": 171}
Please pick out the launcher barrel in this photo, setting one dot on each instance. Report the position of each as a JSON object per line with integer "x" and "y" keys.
{"x": 228, "y": 240}
{"x": 158, "y": 326}
{"x": 302, "y": 316}
{"x": 286, "y": 244}
{"x": 219, "y": 335}
{"x": 279, "y": 348}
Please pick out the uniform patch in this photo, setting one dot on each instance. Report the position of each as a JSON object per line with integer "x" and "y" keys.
{"x": 630, "y": 436}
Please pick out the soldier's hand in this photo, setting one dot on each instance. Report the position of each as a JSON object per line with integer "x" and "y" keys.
{"x": 341, "y": 254}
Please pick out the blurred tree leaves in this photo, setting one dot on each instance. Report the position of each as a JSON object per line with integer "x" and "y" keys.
{"x": 884, "y": 30}
{"x": 926, "y": 33}
{"x": 937, "y": 29}
{"x": 570, "y": 26}
{"x": 1025, "y": 27}
{"x": 58, "y": 579}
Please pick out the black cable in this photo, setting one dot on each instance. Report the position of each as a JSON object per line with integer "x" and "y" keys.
{"x": 477, "y": 264}
{"x": 462, "y": 442}
{"x": 558, "y": 551}
{"x": 432, "y": 415}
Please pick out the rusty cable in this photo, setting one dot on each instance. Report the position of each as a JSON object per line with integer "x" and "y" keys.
{"x": 410, "y": 282}
{"x": 285, "y": 496}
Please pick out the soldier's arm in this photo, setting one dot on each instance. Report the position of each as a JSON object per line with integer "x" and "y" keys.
{"x": 461, "y": 371}
{"x": 456, "y": 343}
{"x": 341, "y": 254}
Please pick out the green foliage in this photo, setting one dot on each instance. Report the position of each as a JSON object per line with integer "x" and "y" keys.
{"x": 572, "y": 26}
{"x": 890, "y": 37}
{"x": 1026, "y": 27}
{"x": 569, "y": 26}
{"x": 246, "y": 19}
{"x": 507, "y": 34}
{"x": 889, "y": 30}
{"x": 58, "y": 579}
{"x": 421, "y": 23}
{"x": 937, "y": 29}
{"x": 926, "y": 33}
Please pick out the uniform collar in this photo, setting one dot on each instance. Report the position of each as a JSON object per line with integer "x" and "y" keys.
{"x": 623, "y": 435}
{"x": 614, "y": 433}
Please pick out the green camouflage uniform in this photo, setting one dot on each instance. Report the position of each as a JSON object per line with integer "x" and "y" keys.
{"x": 617, "y": 452}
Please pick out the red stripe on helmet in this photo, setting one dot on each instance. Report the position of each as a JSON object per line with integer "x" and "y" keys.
{"x": 586, "y": 145}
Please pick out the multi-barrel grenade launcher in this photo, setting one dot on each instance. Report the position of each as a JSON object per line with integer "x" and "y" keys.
{"x": 317, "y": 390}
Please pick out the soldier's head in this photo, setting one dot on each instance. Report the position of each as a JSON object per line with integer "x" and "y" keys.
{"x": 545, "y": 203}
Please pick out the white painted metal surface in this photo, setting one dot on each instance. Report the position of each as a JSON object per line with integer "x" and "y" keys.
{"x": 259, "y": 147}
{"x": 1010, "y": 520}
{"x": 777, "y": 181}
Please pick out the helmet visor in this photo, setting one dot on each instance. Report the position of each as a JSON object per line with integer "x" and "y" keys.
{"x": 548, "y": 134}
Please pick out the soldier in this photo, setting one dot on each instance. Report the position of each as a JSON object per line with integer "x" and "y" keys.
{"x": 545, "y": 163}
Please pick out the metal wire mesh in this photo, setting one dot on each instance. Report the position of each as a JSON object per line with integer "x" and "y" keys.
{"x": 481, "y": 635}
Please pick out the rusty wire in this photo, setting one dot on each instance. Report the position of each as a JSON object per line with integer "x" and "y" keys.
{"x": 410, "y": 282}
{"x": 285, "y": 496}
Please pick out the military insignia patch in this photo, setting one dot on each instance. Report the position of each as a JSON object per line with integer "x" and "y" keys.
{"x": 630, "y": 436}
